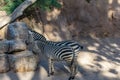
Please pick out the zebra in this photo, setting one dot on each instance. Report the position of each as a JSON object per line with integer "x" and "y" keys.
{"x": 58, "y": 53}
{"x": 74, "y": 46}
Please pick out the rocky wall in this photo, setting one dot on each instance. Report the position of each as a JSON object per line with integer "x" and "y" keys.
{"x": 16, "y": 53}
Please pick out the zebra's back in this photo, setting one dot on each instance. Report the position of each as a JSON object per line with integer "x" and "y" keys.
{"x": 73, "y": 44}
{"x": 59, "y": 52}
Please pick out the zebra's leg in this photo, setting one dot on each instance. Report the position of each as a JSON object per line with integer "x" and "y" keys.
{"x": 75, "y": 66}
{"x": 52, "y": 67}
{"x": 49, "y": 67}
{"x": 73, "y": 69}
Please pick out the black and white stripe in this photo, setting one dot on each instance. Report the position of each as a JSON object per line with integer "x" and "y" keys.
{"x": 73, "y": 44}
{"x": 37, "y": 36}
{"x": 55, "y": 51}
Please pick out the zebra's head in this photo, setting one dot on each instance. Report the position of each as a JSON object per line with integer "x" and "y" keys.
{"x": 78, "y": 47}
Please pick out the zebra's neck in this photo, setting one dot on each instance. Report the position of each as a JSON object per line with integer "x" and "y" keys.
{"x": 41, "y": 45}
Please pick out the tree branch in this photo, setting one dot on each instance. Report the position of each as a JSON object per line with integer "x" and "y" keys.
{"x": 16, "y": 13}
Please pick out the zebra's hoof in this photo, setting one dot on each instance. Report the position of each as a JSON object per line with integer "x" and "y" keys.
{"x": 52, "y": 73}
{"x": 48, "y": 75}
{"x": 71, "y": 78}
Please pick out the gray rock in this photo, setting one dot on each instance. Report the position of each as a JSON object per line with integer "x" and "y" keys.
{"x": 4, "y": 63}
{"x": 17, "y": 30}
{"x": 16, "y": 46}
{"x": 23, "y": 61}
{"x": 4, "y": 46}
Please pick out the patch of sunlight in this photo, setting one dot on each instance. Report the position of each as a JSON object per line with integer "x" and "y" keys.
{"x": 86, "y": 58}
{"x": 92, "y": 48}
{"x": 108, "y": 74}
{"x": 118, "y": 1}
{"x": 25, "y": 75}
{"x": 2, "y": 14}
{"x": 118, "y": 58}
{"x": 117, "y": 68}
{"x": 106, "y": 65}
{"x": 4, "y": 76}
{"x": 103, "y": 57}
{"x": 96, "y": 44}
{"x": 114, "y": 45}
{"x": 43, "y": 73}
{"x": 110, "y": 1}
{"x": 106, "y": 46}
{"x": 53, "y": 36}
{"x": 17, "y": 76}
{"x": 53, "y": 14}
{"x": 110, "y": 14}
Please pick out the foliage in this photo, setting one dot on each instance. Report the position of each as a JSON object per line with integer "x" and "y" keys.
{"x": 10, "y": 5}
{"x": 47, "y": 4}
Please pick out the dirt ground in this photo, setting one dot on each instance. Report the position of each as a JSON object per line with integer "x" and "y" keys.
{"x": 100, "y": 60}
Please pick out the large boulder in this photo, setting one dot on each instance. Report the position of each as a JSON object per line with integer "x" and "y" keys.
{"x": 17, "y": 30}
{"x": 23, "y": 61}
{"x": 10, "y": 46}
{"x": 16, "y": 46}
{"x": 4, "y": 63}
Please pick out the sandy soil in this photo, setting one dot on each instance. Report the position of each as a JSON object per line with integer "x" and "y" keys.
{"x": 100, "y": 60}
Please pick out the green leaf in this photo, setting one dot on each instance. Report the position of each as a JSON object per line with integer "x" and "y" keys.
{"x": 10, "y": 5}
